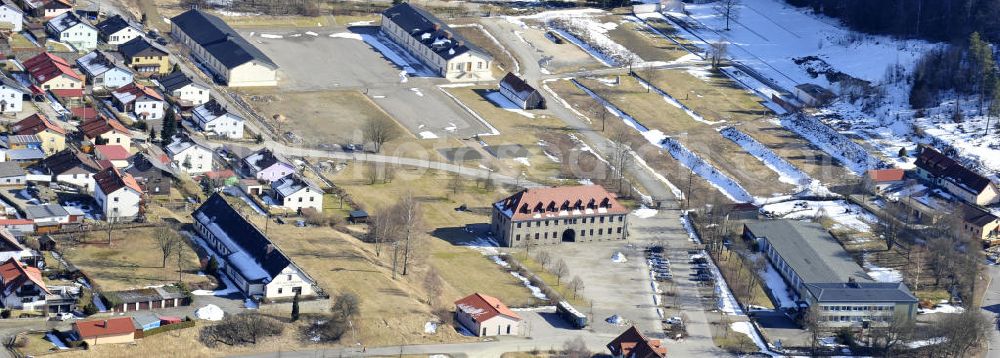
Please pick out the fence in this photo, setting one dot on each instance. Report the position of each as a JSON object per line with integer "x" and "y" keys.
{"x": 313, "y": 305}
{"x": 187, "y": 323}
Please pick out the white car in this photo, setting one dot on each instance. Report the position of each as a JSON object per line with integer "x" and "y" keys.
{"x": 65, "y": 316}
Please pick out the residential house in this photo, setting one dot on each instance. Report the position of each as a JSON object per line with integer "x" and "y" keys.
{"x": 142, "y": 101}
{"x": 116, "y": 154}
{"x": 23, "y": 226}
{"x": 11, "y": 95}
{"x": 821, "y": 273}
{"x": 190, "y": 156}
{"x": 436, "y": 45}
{"x": 265, "y": 165}
{"x": 145, "y": 57}
{"x": 106, "y": 130}
{"x": 105, "y": 70}
{"x": 154, "y": 176}
{"x": 70, "y": 29}
{"x": 633, "y": 344}
{"x": 536, "y": 216}
{"x": 25, "y": 141}
{"x": 977, "y": 224}
{"x": 184, "y": 90}
{"x": 254, "y": 264}
{"x": 520, "y": 92}
{"x": 71, "y": 167}
{"x": 105, "y": 331}
{"x": 213, "y": 118}
{"x": 486, "y": 316}
{"x": 116, "y": 30}
{"x": 47, "y": 214}
{"x": 52, "y": 73}
{"x": 878, "y": 180}
{"x": 46, "y": 9}
{"x": 53, "y": 137}
{"x": 12, "y": 174}
{"x": 958, "y": 180}
{"x": 11, "y": 16}
{"x": 25, "y": 157}
{"x": 296, "y": 193}
{"x": 118, "y": 194}
{"x": 22, "y": 286}
{"x": 231, "y": 58}
{"x": 11, "y": 249}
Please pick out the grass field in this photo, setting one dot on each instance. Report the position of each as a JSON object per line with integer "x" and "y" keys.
{"x": 549, "y": 278}
{"x": 35, "y": 344}
{"x": 477, "y": 35}
{"x": 650, "y": 109}
{"x": 132, "y": 261}
{"x": 465, "y": 270}
{"x": 642, "y": 42}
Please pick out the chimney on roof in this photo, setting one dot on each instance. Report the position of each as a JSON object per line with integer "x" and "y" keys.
{"x": 461, "y": 43}
{"x": 447, "y": 34}
{"x": 437, "y": 26}
{"x": 269, "y": 249}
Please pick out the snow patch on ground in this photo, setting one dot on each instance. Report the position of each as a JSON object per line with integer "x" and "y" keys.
{"x": 503, "y": 102}
{"x": 787, "y": 172}
{"x": 486, "y": 246}
{"x": 398, "y": 57}
{"x": 619, "y": 257}
{"x": 747, "y": 329}
{"x": 674, "y": 102}
{"x": 430, "y": 327}
{"x": 523, "y": 161}
{"x": 428, "y": 135}
{"x": 942, "y": 307}
{"x": 645, "y": 213}
{"x": 210, "y": 313}
{"x": 881, "y": 274}
{"x": 535, "y": 291}
{"x": 776, "y": 284}
{"x": 846, "y": 215}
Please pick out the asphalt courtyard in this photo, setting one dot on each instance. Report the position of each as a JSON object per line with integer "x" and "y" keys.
{"x": 315, "y": 61}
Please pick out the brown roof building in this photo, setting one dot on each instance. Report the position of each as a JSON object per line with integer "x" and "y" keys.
{"x": 485, "y": 315}
{"x": 105, "y": 331}
{"x": 585, "y": 213}
{"x": 632, "y": 344}
{"x": 954, "y": 177}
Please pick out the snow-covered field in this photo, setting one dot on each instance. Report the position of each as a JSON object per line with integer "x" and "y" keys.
{"x": 846, "y": 215}
{"x": 837, "y": 145}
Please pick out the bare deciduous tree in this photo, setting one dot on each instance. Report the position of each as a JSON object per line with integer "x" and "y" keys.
{"x": 621, "y": 156}
{"x": 167, "y": 241}
{"x": 885, "y": 340}
{"x": 730, "y": 9}
{"x": 345, "y": 306}
{"x": 434, "y": 286}
{"x": 575, "y": 348}
{"x": 576, "y": 284}
{"x": 811, "y": 321}
{"x": 560, "y": 270}
{"x": 379, "y": 130}
{"x": 382, "y": 226}
{"x": 407, "y": 212}
{"x": 717, "y": 53}
{"x": 543, "y": 258}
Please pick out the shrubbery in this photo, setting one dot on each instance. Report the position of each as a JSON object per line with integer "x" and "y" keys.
{"x": 241, "y": 329}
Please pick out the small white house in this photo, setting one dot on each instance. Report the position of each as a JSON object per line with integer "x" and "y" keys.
{"x": 295, "y": 193}
{"x": 69, "y": 28}
{"x": 185, "y": 91}
{"x": 11, "y": 16}
{"x": 190, "y": 156}
{"x": 105, "y": 70}
{"x": 144, "y": 102}
{"x": 486, "y": 316}
{"x": 11, "y": 95}
{"x": 116, "y": 30}
{"x": 118, "y": 194}
{"x": 212, "y": 117}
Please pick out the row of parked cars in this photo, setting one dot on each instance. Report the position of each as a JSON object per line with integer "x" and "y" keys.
{"x": 659, "y": 264}
{"x": 699, "y": 266}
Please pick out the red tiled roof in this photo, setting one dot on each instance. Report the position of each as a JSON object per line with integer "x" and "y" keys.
{"x": 220, "y": 174}
{"x": 483, "y": 307}
{"x": 138, "y": 90}
{"x": 884, "y": 175}
{"x": 45, "y": 66}
{"x": 112, "y": 152}
{"x": 99, "y": 125}
{"x": 84, "y": 113}
{"x": 104, "y": 327}
{"x": 111, "y": 179}
{"x": 633, "y": 344}
{"x": 541, "y": 203}
{"x": 16, "y": 222}
{"x": 14, "y": 273}
{"x": 67, "y": 92}
{"x": 34, "y": 124}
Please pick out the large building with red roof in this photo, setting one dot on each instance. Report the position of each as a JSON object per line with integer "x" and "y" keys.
{"x": 486, "y": 316}
{"x": 632, "y": 344}
{"x": 538, "y": 216}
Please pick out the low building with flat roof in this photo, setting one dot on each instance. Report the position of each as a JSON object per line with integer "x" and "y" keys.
{"x": 822, "y": 273}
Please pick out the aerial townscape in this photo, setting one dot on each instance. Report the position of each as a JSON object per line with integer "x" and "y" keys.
{"x": 500, "y": 178}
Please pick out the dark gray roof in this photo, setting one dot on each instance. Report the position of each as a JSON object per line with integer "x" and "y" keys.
{"x": 176, "y": 80}
{"x": 243, "y": 233}
{"x": 224, "y": 43}
{"x": 430, "y": 31}
{"x": 517, "y": 85}
{"x": 810, "y": 250}
{"x": 138, "y": 46}
{"x": 114, "y": 24}
{"x": 44, "y": 211}
{"x": 12, "y": 83}
{"x": 65, "y": 21}
{"x": 861, "y": 292}
{"x": 10, "y": 169}
{"x": 942, "y": 166}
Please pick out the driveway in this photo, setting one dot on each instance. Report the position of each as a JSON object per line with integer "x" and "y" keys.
{"x": 991, "y": 308}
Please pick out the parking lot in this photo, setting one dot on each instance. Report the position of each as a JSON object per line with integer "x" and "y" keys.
{"x": 317, "y": 62}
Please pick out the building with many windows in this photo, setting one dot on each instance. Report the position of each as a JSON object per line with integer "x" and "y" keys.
{"x": 821, "y": 273}
{"x": 539, "y": 216}
{"x": 436, "y": 45}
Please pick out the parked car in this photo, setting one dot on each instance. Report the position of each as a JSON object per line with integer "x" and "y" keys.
{"x": 64, "y": 316}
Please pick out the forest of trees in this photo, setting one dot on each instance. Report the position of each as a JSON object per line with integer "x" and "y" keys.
{"x": 936, "y": 20}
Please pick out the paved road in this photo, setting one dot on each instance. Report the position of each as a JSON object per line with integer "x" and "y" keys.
{"x": 531, "y": 70}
